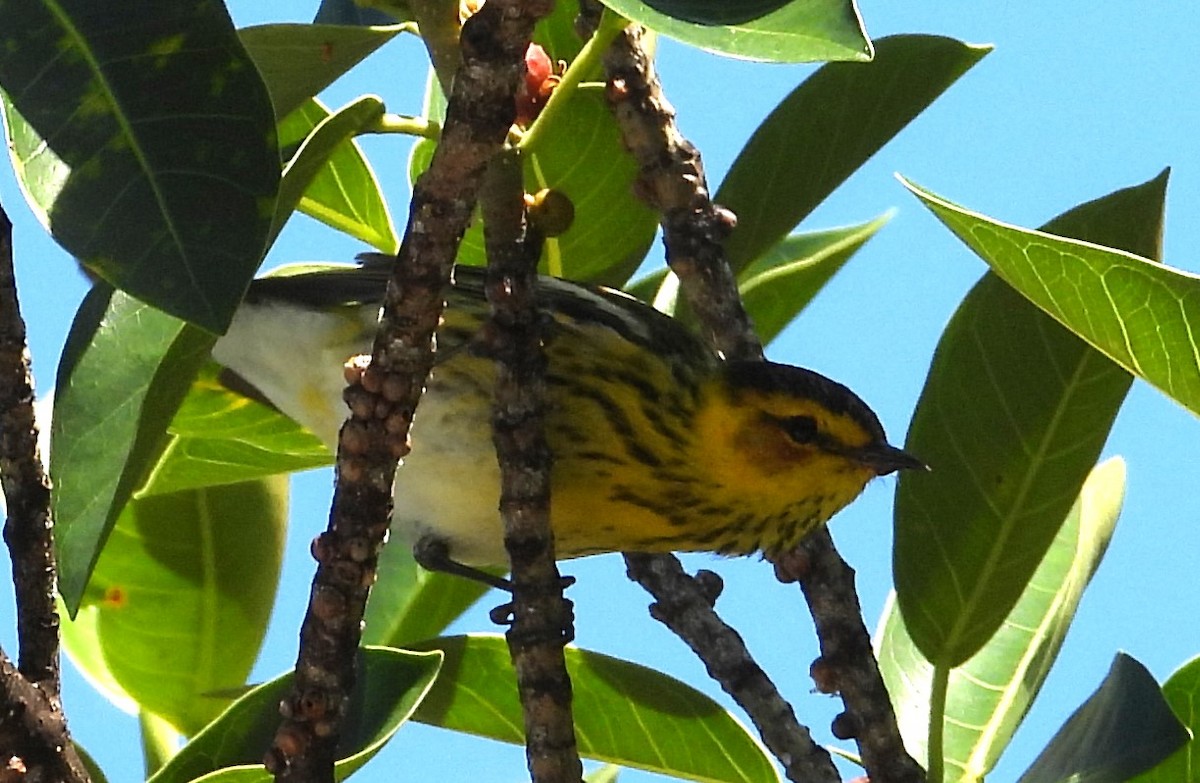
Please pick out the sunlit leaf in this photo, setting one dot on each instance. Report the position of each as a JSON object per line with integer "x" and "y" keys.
{"x": 1140, "y": 314}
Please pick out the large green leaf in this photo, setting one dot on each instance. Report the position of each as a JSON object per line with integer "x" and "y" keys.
{"x": 987, "y": 696}
{"x": 1182, "y": 691}
{"x": 179, "y": 600}
{"x": 1140, "y": 314}
{"x": 624, "y": 713}
{"x": 124, "y": 371}
{"x": 828, "y": 127}
{"x": 329, "y": 178}
{"x": 220, "y": 437}
{"x": 1124, "y": 728}
{"x": 389, "y": 685}
{"x": 1013, "y": 416}
{"x": 159, "y": 139}
{"x": 797, "y": 31}
{"x": 297, "y": 61}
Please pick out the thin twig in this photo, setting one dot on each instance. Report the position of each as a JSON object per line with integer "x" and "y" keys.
{"x": 383, "y": 394}
{"x": 541, "y": 616}
{"x": 31, "y": 714}
{"x": 672, "y": 180}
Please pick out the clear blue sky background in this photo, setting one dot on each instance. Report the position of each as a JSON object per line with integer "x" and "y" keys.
{"x": 1078, "y": 99}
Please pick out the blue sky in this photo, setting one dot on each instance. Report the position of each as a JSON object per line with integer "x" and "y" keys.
{"x": 1076, "y": 100}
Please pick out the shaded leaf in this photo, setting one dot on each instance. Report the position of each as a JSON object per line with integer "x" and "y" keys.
{"x": 1182, "y": 691}
{"x": 798, "y": 31}
{"x": 715, "y": 12}
{"x": 1140, "y": 314}
{"x": 125, "y": 369}
{"x": 297, "y": 61}
{"x": 1012, "y": 417}
{"x": 179, "y": 601}
{"x": 1124, "y": 728}
{"x": 389, "y": 685}
{"x": 826, "y": 128}
{"x": 988, "y": 696}
{"x": 329, "y": 178}
{"x": 624, "y": 713}
{"x": 161, "y": 142}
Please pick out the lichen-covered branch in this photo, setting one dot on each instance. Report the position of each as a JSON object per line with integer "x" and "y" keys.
{"x": 384, "y": 391}
{"x": 672, "y": 181}
{"x": 33, "y": 728}
{"x": 540, "y": 615}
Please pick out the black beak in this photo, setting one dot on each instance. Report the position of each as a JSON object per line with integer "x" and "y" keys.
{"x": 884, "y": 459}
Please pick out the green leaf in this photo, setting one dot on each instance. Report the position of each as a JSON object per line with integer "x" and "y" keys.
{"x": 988, "y": 696}
{"x": 798, "y": 31}
{"x": 826, "y": 128}
{"x": 162, "y": 138}
{"x": 777, "y": 286}
{"x": 1182, "y": 691}
{"x": 329, "y": 178}
{"x": 1013, "y": 416}
{"x": 624, "y": 713}
{"x": 220, "y": 437}
{"x": 1124, "y": 728}
{"x": 180, "y": 598}
{"x": 389, "y": 685}
{"x": 781, "y": 282}
{"x": 124, "y": 371}
{"x": 409, "y": 604}
{"x": 297, "y": 61}
{"x": 578, "y": 151}
{"x": 1140, "y": 314}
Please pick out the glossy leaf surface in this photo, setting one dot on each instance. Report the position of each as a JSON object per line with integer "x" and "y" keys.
{"x": 160, "y": 166}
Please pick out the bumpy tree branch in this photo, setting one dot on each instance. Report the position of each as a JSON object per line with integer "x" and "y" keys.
{"x": 384, "y": 392}
{"x": 33, "y": 727}
{"x": 541, "y": 616}
{"x": 672, "y": 180}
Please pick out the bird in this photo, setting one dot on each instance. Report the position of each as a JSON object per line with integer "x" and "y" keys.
{"x": 657, "y": 443}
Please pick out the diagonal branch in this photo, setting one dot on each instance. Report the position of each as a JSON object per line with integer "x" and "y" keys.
{"x": 672, "y": 181}
{"x": 383, "y": 392}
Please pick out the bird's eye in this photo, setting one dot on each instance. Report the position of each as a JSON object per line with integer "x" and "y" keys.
{"x": 801, "y": 429}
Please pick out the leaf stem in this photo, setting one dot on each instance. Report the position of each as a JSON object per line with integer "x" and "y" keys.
{"x": 937, "y": 724}
{"x": 410, "y": 126}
